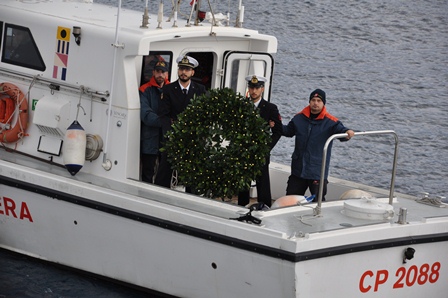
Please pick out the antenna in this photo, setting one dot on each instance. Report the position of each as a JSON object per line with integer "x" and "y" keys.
{"x": 240, "y": 16}
{"x": 145, "y": 20}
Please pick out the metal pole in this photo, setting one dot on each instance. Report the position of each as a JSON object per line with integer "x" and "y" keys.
{"x": 343, "y": 135}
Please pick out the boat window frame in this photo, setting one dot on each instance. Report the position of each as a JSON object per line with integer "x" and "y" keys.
{"x": 1, "y": 34}
{"x": 10, "y": 31}
{"x": 236, "y": 81}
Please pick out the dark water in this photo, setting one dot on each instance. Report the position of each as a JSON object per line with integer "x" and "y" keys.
{"x": 22, "y": 276}
{"x": 383, "y": 64}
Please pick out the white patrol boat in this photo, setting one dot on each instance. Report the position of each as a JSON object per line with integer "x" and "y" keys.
{"x": 70, "y": 189}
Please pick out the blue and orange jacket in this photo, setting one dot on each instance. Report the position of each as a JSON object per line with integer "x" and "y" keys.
{"x": 311, "y": 135}
{"x": 151, "y": 126}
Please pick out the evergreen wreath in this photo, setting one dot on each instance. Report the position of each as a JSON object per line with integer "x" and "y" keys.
{"x": 218, "y": 144}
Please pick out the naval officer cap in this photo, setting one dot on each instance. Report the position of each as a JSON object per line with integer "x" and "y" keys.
{"x": 255, "y": 81}
{"x": 187, "y": 61}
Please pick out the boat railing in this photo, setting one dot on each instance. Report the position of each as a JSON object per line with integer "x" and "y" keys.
{"x": 343, "y": 135}
{"x": 53, "y": 84}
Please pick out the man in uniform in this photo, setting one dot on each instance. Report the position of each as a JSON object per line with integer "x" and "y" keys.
{"x": 268, "y": 112}
{"x": 175, "y": 98}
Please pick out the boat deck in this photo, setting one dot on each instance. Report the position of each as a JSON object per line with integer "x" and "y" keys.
{"x": 302, "y": 220}
{"x": 290, "y": 221}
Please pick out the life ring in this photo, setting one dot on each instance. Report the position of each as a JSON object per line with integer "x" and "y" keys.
{"x": 8, "y": 106}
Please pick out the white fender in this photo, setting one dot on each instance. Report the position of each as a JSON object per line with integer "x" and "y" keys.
{"x": 291, "y": 200}
{"x": 74, "y": 148}
{"x": 355, "y": 194}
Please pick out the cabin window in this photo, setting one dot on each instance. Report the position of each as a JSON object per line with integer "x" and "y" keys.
{"x": 238, "y": 65}
{"x": 150, "y": 60}
{"x": 20, "y": 48}
{"x": 203, "y": 73}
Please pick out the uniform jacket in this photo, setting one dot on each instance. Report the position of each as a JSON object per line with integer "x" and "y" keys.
{"x": 269, "y": 111}
{"x": 174, "y": 102}
{"x": 311, "y": 135}
{"x": 151, "y": 125}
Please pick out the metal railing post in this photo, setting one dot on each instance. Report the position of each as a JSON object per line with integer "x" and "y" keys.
{"x": 343, "y": 135}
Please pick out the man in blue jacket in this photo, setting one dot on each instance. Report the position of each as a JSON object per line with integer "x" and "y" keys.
{"x": 151, "y": 128}
{"x": 311, "y": 127}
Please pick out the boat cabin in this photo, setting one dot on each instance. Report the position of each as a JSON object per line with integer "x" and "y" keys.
{"x": 81, "y": 61}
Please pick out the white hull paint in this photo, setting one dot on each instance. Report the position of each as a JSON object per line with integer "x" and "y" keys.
{"x": 152, "y": 245}
{"x": 105, "y": 221}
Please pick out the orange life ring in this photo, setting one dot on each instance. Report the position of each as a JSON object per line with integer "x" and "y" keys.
{"x": 15, "y": 98}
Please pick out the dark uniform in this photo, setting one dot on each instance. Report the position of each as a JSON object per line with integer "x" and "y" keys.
{"x": 174, "y": 101}
{"x": 269, "y": 112}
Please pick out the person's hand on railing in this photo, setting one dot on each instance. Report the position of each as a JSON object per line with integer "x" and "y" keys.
{"x": 350, "y": 133}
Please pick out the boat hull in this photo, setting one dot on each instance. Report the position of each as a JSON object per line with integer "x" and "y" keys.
{"x": 188, "y": 254}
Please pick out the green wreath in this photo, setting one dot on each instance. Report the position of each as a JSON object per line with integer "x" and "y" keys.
{"x": 218, "y": 144}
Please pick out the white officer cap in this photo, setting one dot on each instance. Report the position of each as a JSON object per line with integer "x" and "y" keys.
{"x": 255, "y": 81}
{"x": 187, "y": 61}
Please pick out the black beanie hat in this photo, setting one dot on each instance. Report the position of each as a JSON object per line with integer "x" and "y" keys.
{"x": 319, "y": 93}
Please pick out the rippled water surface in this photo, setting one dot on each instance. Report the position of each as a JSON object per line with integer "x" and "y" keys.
{"x": 383, "y": 65}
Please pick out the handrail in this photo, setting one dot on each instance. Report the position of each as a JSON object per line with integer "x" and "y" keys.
{"x": 343, "y": 135}
{"x": 54, "y": 84}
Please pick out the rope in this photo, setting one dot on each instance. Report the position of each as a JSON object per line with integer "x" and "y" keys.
{"x": 248, "y": 217}
{"x": 431, "y": 201}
